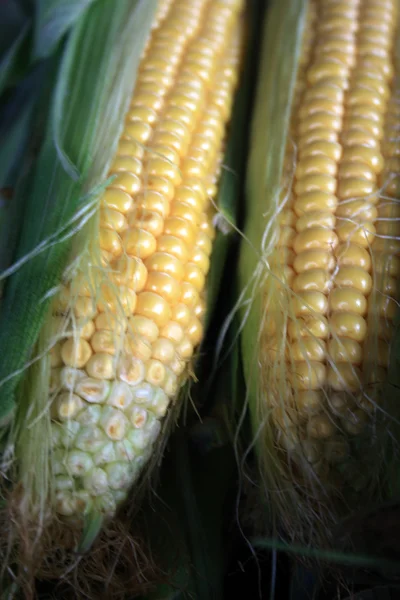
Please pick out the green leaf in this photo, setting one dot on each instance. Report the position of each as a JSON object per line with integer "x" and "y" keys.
{"x": 9, "y": 62}
{"x": 92, "y": 94}
{"x": 340, "y": 558}
{"x": 53, "y": 19}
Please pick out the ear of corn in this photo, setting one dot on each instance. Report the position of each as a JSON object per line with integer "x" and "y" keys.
{"x": 129, "y": 314}
{"x": 322, "y": 269}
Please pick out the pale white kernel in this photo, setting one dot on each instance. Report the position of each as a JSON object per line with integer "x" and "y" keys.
{"x": 83, "y": 502}
{"x": 146, "y": 436}
{"x": 120, "y": 395}
{"x": 90, "y": 439}
{"x": 70, "y": 377}
{"x": 55, "y": 435}
{"x": 79, "y": 463}
{"x": 114, "y": 423}
{"x": 131, "y": 370}
{"x": 118, "y": 475}
{"x": 55, "y": 379}
{"x": 124, "y": 451}
{"x": 69, "y": 431}
{"x": 57, "y": 462}
{"x": 90, "y": 415}
{"x": 137, "y": 416}
{"x": 170, "y": 383}
{"x": 65, "y": 504}
{"x": 96, "y": 482}
{"x": 105, "y": 455}
{"x": 63, "y": 482}
{"x": 68, "y": 405}
{"x": 105, "y": 503}
{"x": 93, "y": 390}
{"x": 159, "y": 403}
{"x": 143, "y": 393}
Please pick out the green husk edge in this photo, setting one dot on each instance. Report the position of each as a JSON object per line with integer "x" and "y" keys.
{"x": 270, "y": 124}
{"x": 52, "y": 20}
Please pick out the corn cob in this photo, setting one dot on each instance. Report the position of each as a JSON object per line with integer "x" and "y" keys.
{"x": 128, "y": 321}
{"x": 331, "y": 289}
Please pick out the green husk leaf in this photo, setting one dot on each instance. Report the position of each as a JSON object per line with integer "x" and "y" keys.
{"x": 91, "y": 529}
{"x": 92, "y": 94}
{"x": 53, "y": 19}
{"x": 189, "y": 508}
{"x": 284, "y": 20}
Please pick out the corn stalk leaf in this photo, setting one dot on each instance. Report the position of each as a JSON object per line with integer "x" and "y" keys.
{"x": 52, "y": 20}
{"x": 92, "y": 94}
